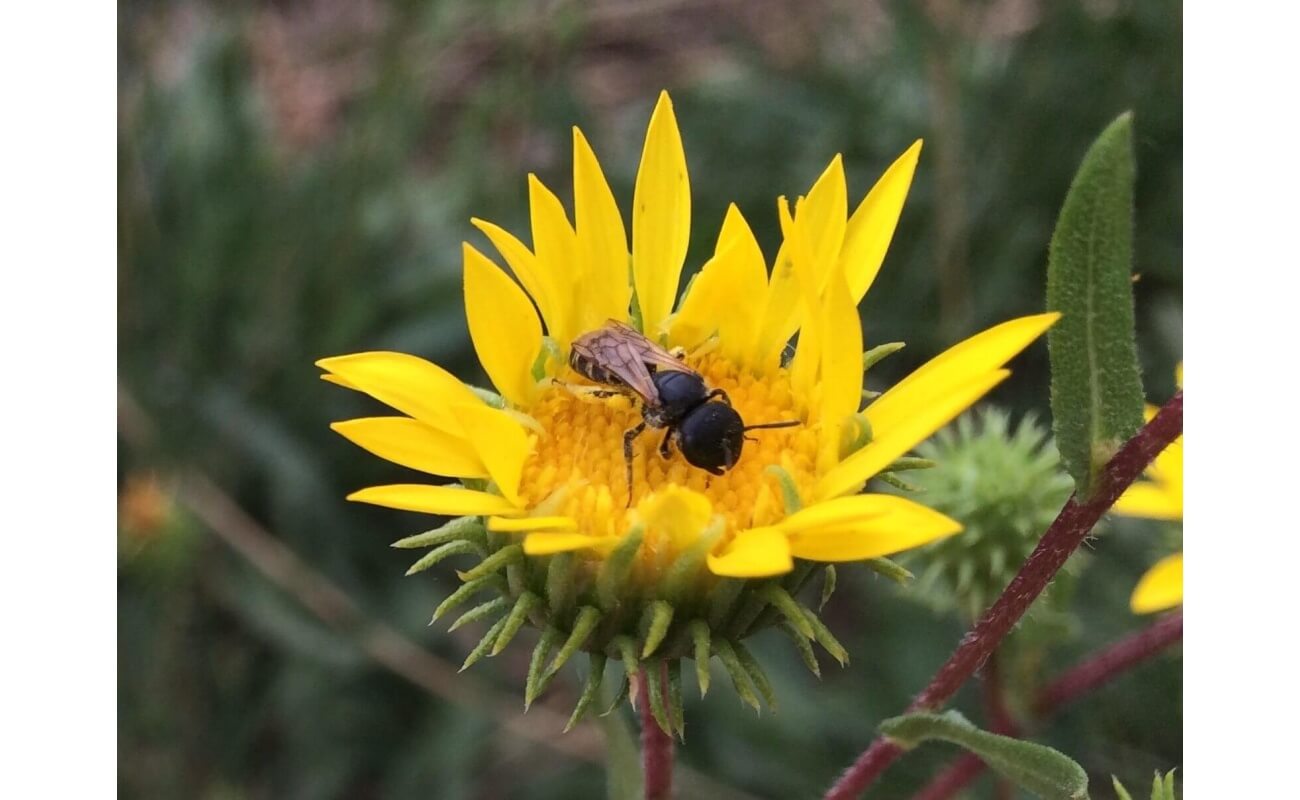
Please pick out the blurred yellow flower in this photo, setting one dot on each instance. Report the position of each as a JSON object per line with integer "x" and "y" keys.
{"x": 1161, "y": 498}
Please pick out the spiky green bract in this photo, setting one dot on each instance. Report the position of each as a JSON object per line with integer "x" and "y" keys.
{"x": 1162, "y": 787}
{"x": 649, "y": 613}
{"x": 1005, "y": 485}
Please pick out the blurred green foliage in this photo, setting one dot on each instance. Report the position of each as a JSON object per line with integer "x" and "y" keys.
{"x": 295, "y": 179}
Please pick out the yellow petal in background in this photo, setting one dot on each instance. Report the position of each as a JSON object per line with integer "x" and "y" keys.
{"x": 1160, "y": 588}
{"x": 661, "y": 217}
{"x": 891, "y": 442}
{"x": 957, "y": 366}
{"x": 900, "y": 525}
{"x": 503, "y": 327}
{"x": 409, "y": 384}
{"x": 1149, "y": 501}
{"x": 414, "y": 444}
{"x": 602, "y": 242}
{"x": 451, "y": 501}
{"x": 754, "y": 553}
{"x": 556, "y": 247}
{"x": 502, "y": 444}
{"x": 871, "y": 228}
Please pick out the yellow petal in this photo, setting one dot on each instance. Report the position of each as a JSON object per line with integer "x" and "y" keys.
{"x": 807, "y": 354}
{"x": 727, "y": 296}
{"x": 895, "y": 524}
{"x": 957, "y": 366}
{"x": 1160, "y": 588}
{"x": 522, "y": 262}
{"x": 841, "y": 369}
{"x": 502, "y": 444}
{"x": 891, "y": 442}
{"x": 409, "y": 384}
{"x": 526, "y": 524}
{"x": 838, "y": 512}
{"x": 556, "y": 247}
{"x": 754, "y": 553}
{"x": 414, "y": 444}
{"x": 676, "y": 514}
{"x": 738, "y": 320}
{"x": 1149, "y": 501}
{"x": 871, "y": 227}
{"x": 1178, "y": 374}
{"x": 823, "y": 215}
{"x": 503, "y": 327}
{"x": 545, "y": 544}
{"x": 451, "y": 501}
{"x": 337, "y": 381}
{"x": 602, "y": 241}
{"x": 661, "y": 217}
{"x": 1167, "y": 471}
{"x": 781, "y": 313}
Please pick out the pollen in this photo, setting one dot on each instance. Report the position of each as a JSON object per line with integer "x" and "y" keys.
{"x": 577, "y": 467}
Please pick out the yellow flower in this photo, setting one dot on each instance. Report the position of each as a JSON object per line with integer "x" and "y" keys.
{"x": 1160, "y": 498}
{"x": 546, "y": 463}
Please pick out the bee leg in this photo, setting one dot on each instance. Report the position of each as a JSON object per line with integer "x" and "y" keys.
{"x": 628, "y": 437}
{"x": 666, "y": 445}
{"x": 717, "y": 393}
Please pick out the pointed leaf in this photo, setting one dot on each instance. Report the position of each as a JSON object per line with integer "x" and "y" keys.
{"x": 1096, "y": 386}
{"x": 1036, "y": 768}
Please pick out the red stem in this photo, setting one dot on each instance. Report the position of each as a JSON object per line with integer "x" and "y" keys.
{"x": 961, "y": 773}
{"x": 996, "y": 714}
{"x": 1101, "y": 667}
{"x": 656, "y": 746}
{"x": 1066, "y": 533}
{"x": 1104, "y": 665}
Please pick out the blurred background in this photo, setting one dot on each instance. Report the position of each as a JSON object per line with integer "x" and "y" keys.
{"x": 294, "y": 182}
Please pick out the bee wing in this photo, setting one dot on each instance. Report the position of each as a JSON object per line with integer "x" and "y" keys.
{"x": 617, "y": 349}
{"x": 651, "y": 353}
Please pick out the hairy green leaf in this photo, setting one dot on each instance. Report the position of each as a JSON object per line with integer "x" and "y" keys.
{"x": 1096, "y": 385}
{"x": 1034, "y": 767}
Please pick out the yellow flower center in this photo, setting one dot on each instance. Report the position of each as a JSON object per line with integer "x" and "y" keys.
{"x": 578, "y": 470}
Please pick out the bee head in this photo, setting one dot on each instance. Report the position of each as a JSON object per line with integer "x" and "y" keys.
{"x": 711, "y": 437}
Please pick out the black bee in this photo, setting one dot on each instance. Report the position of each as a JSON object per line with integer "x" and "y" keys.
{"x": 699, "y": 421}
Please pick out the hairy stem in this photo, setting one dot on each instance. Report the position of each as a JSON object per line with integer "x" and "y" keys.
{"x": 656, "y": 744}
{"x": 1096, "y": 669}
{"x": 1062, "y": 538}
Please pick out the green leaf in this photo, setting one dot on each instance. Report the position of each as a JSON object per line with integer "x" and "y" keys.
{"x": 623, "y": 776}
{"x": 1034, "y": 767}
{"x": 1120, "y": 792}
{"x": 1096, "y": 385}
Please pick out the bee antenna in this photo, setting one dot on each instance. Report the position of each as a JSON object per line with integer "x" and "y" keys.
{"x": 786, "y": 424}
